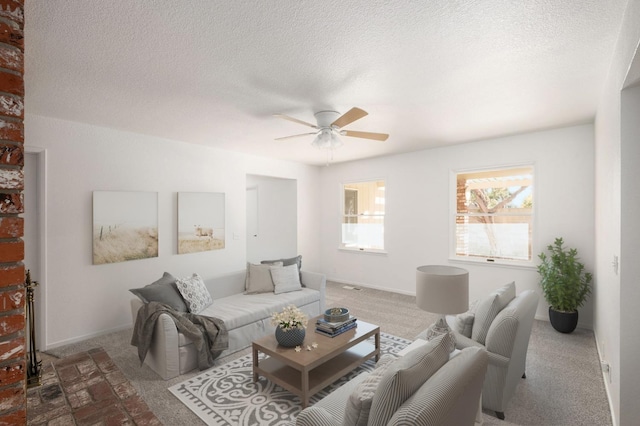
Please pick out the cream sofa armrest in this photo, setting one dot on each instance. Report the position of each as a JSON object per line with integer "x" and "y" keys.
{"x": 318, "y": 282}
{"x": 498, "y": 360}
{"x": 463, "y": 341}
{"x": 135, "y": 305}
{"x": 315, "y": 416}
{"x": 163, "y": 356}
{"x": 494, "y": 358}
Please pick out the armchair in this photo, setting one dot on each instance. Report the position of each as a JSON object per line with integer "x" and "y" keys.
{"x": 506, "y": 342}
{"x": 449, "y": 397}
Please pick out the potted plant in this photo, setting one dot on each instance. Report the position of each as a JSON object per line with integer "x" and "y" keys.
{"x": 565, "y": 285}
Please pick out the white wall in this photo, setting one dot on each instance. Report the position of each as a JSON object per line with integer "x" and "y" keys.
{"x": 418, "y": 197}
{"x": 630, "y": 268}
{"x": 617, "y": 297}
{"x": 84, "y": 299}
{"x": 610, "y": 311}
{"x": 277, "y": 219}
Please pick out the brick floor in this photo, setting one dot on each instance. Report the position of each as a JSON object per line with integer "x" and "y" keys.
{"x": 86, "y": 388}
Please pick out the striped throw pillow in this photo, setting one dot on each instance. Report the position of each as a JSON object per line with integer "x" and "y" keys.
{"x": 406, "y": 376}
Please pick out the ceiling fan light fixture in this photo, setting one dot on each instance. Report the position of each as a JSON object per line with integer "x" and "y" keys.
{"x": 329, "y": 129}
{"x": 327, "y": 139}
{"x": 336, "y": 142}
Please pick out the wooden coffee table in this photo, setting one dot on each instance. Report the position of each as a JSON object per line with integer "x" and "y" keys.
{"x": 305, "y": 373}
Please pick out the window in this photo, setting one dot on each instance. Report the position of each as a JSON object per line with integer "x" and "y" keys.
{"x": 494, "y": 214}
{"x": 363, "y": 215}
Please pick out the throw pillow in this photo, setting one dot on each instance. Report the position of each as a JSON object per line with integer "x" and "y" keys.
{"x": 259, "y": 278}
{"x": 286, "y": 262}
{"x": 487, "y": 310}
{"x": 406, "y": 376}
{"x": 464, "y": 323}
{"x": 164, "y": 291}
{"x": 286, "y": 279}
{"x": 359, "y": 403}
{"x": 194, "y": 292}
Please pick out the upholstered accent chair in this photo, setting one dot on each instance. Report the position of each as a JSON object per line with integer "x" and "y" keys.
{"x": 427, "y": 386}
{"x": 502, "y": 326}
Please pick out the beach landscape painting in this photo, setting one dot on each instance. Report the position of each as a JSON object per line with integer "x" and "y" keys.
{"x": 125, "y": 226}
{"x": 201, "y": 217}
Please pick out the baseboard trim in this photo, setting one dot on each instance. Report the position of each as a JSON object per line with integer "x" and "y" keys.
{"x": 373, "y": 287}
{"x": 582, "y": 325}
{"x": 65, "y": 342}
{"x": 605, "y": 380}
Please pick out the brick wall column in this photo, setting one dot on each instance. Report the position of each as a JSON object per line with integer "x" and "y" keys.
{"x": 13, "y": 400}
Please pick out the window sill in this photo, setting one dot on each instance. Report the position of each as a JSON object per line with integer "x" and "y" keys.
{"x": 363, "y": 251}
{"x": 496, "y": 262}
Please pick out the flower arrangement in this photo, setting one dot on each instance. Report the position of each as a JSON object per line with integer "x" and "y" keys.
{"x": 291, "y": 317}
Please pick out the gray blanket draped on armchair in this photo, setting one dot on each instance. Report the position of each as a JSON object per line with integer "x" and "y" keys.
{"x": 208, "y": 334}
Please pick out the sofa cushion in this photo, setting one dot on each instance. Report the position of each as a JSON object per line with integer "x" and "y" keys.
{"x": 194, "y": 293}
{"x": 405, "y": 376}
{"x": 164, "y": 291}
{"x": 286, "y": 279}
{"x": 359, "y": 402}
{"x": 286, "y": 262}
{"x": 241, "y": 309}
{"x": 259, "y": 278}
{"x": 488, "y": 308}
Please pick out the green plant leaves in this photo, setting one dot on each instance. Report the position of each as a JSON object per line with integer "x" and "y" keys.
{"x": 564, "y": 281}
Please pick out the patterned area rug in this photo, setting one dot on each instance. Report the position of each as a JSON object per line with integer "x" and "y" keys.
{"x": 227, "y": 395}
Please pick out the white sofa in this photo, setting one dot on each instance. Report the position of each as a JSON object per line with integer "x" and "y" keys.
{"x": 246, "y": 317}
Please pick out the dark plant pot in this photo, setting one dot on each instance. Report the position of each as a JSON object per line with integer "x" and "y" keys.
{"x": 564, "y": 322}
{"x": 290, "y": 338}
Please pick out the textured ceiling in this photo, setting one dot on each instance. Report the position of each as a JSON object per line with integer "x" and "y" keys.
{"x": 429, "y": 73}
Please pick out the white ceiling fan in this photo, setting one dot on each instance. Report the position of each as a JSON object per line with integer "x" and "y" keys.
{"x": 329, "y": 127}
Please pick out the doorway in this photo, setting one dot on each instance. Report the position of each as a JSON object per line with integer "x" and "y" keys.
{"x": 272, "y": 218}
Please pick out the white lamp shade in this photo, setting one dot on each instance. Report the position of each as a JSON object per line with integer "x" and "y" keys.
{"x": 442, "y": 289}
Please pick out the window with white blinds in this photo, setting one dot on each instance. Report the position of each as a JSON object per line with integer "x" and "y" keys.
{"x": 363, "y": 209}
{"x": 494, "y": 214}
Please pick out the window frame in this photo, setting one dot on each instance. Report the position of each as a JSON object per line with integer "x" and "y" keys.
{"x": 453, "y": 212}
{"x": 342, "y": 216}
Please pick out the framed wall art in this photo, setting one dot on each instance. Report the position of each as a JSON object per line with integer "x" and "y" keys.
{"x": 201, "y": 221}
{"x": 125, "y": 226}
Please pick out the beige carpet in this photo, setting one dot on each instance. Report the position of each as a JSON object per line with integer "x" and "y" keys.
{"x": 563, "y": 387}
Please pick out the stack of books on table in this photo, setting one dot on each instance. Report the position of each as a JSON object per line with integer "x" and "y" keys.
{"x": 332, "y": 329}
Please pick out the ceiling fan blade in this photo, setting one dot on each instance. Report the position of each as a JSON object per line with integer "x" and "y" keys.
{"x": 295, "y": 136}
{"x": 349, "y": 117}
{"x": 295, "y": 120}
{"x": 365, "y": 135}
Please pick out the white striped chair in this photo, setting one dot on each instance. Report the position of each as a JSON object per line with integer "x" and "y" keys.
{"x": 448, "y": 397}
{"x": 506, "y": 341}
